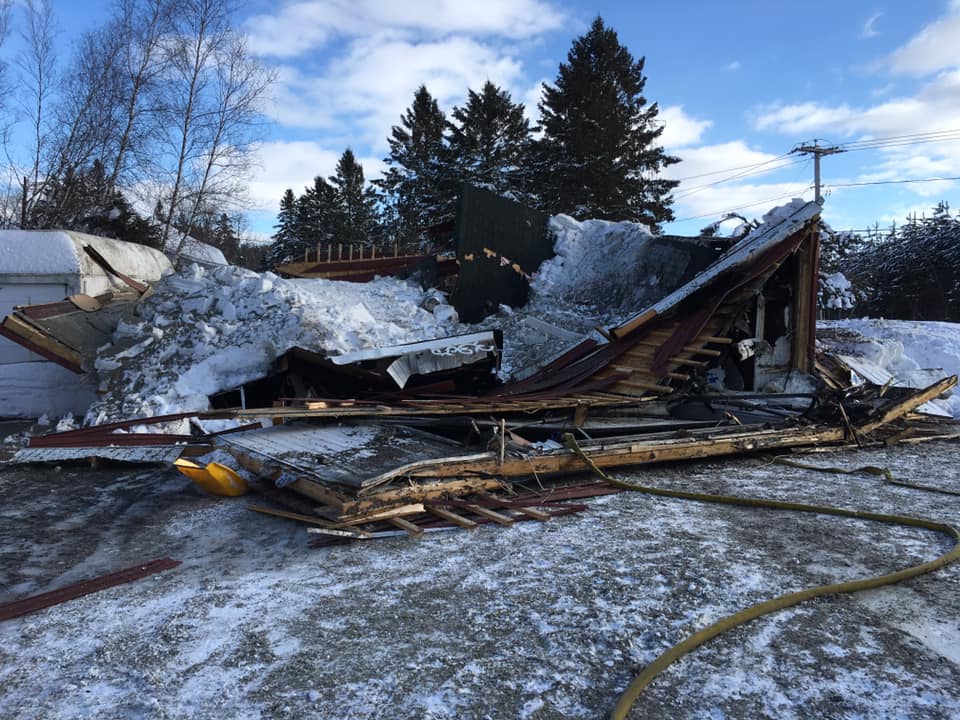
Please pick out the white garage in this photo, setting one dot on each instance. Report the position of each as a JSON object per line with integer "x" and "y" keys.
{"x": 39, "y": 267}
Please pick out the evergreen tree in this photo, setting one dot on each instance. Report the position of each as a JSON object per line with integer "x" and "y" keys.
{"x": 83, "y": 200}
{"x": 914, "y": 272}
{"x": 315, "y": 217}
{"x": 418, "y": 180}
{"x": 285, "y": 237}
{"x": 489, "y": 145}
{"x": 599, "y": 156}
{"x": 355, "y": 211}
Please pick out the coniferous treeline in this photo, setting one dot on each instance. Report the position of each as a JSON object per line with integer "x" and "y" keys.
{"x": 909, "y": 272}
{"x": 596, "y": 155}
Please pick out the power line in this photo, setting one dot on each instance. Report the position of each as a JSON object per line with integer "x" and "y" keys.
{"x": 893, "y": 182}
{"x": 897, "y": 140}
{"x": 742, "y": 171}
{"x": 747, "y": 173}
{"x": 744, "y": 207}
{"x": 733, "y": 169}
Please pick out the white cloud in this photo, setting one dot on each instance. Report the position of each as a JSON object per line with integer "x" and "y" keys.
{"x": 708, "y": 163}
{"x": 679, "y": 129}
{"x": 935, "y": 107}
{"x": 294, "y": 164}
{"x": 869, "y": 27}
{"x": 735, "y": 65}
{"x": 364, "y": 91}
{"x": 724, "y": 177}
{"x": 301, "y": 26}
{"x": 933, "y": 49}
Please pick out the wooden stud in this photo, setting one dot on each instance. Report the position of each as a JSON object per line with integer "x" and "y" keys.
{"x": 450, "y": 516}
{"x": 406, "y": 525}
{"x": 490, "y": 514}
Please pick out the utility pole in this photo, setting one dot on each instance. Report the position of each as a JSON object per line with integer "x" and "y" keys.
{"x": 817, "y": 151}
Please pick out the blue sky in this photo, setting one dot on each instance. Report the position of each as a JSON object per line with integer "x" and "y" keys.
{"x": 739, "y": 83}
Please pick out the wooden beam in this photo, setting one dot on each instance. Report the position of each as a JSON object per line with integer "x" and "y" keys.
{"x": 490, "y": 514}
{"x": 309, "y": 519}
{"x": 528, "y": 511}
{"x": 651, "y": 387}
{"x": 406, "y": 525}
{"x": 385, "y": 514}
{"x": 450, "y": 516}
{"x": 911, "y": 403}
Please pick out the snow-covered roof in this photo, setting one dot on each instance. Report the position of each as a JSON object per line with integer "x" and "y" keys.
{"x": 778, "y": 224}
{"x": 201, "y": 253}
{"x": 60, "y": 252}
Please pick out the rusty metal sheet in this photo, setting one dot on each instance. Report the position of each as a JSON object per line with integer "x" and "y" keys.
{"x": 70, "y": 592}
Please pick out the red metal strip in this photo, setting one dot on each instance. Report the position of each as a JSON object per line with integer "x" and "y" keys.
{"x": 42, "y": 352}
{"x": 70, "y": 592}
{"x": 105, "y": 264}
{"x": 61, "y": 307}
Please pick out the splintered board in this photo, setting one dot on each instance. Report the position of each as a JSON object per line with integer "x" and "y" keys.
{"x": 351, "y": 455}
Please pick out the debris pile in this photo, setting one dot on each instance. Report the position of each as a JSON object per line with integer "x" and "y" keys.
{"x": 365, "y": 409}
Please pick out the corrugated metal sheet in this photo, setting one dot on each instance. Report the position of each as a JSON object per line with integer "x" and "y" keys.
{"x": 349, "y": 454}
{"x": 153, "y": 454}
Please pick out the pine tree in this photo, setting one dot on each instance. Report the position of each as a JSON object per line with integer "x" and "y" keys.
{"x": 599, "y": 156}
{"x": 315, "y": 217}
{"x": 489, "y": 145}
{"x": 355, "y": 212}
{"x": 285, "y": 237}
{"x": 417, "y": 180}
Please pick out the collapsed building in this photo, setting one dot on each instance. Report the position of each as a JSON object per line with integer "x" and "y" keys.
{"x": 709, "y": 350}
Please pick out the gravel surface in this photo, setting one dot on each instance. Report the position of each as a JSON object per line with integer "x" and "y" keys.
{"x": 542, "y": 620}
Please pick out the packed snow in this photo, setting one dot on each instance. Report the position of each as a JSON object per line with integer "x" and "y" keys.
{"x": 900, "y": 347}
{"x": 203, "y": 331}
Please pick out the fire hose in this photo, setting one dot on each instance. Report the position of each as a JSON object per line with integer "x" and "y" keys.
{"x": 646, "y": 676}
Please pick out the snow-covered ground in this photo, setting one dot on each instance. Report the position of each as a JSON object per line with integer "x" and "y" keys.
{"x": 542, "y": 620}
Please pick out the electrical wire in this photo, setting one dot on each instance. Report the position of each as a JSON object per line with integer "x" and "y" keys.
{"x": 892, "y": 182}
{"x": 744, "y": 207}
{"x": 686, "y": 192}
{"x": 733, "y": 169}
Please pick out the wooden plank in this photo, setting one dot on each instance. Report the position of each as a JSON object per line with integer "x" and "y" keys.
{"x": 649, "y": 386}
{"x": 490, "y": 514}
{"x": 687, "y": 361}
{"x": 18, "y": 328}
{"x": 715, "y": 339}
{"x": 309, "y": 519}
{"x": 451, "y": 516}
{"x": 911, "y": 403}
{"x": 528, "y": 511}
{"x": 419, "y": 492}
{"x": 580, "y": 415}
{"x": 634, "y": 323}
{"x": 386, "y": 514}
{"x": 406, "y": 525}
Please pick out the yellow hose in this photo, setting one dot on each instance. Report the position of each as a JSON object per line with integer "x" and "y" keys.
{"x": 641, "y": 681}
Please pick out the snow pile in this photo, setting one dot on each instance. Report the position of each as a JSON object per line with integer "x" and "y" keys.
{"x": 206, "y": 331}
{"x": 600, "y": 269}
{"x": 899, "y": 346}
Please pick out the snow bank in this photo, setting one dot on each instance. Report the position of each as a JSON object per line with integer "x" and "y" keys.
{"x": 206, "y": 331}
{"x": 899, "y": 346}
{"x": 600, "y": 267}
